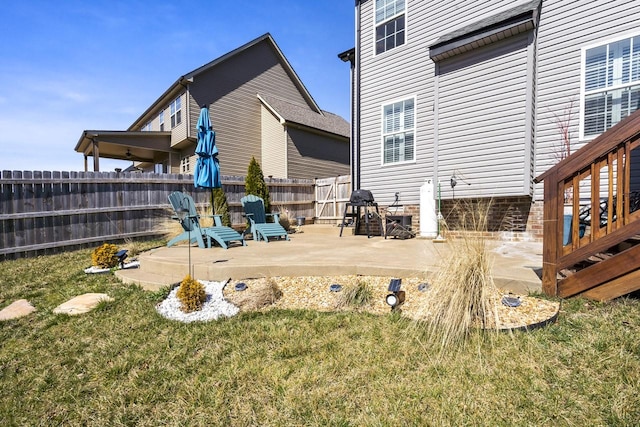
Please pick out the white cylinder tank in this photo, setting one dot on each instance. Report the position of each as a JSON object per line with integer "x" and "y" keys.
{"x": 428, "y": 214}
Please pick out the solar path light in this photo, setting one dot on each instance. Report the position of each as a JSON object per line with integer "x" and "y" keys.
{"x": 396, "y": 297}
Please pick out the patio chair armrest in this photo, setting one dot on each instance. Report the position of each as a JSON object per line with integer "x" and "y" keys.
{"x": 276, "y": 216}
{"x": 217, "y": 219}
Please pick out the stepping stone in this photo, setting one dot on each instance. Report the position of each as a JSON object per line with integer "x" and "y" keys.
{"x": 19, "y": 308}
{"x": 81, "y": 304}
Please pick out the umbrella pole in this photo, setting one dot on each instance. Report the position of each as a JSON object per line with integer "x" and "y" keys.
{"x": 213, "y": 207}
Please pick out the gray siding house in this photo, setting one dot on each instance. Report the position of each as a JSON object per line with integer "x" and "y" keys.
{"x": 258, "y": 107}
{"x": 483, "y": 95}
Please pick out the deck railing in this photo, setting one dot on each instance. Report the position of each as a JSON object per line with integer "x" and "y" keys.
{"x": 590, "y": 205}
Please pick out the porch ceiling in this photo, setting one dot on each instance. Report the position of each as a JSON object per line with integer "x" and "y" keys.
{"x": 125, "y": 145}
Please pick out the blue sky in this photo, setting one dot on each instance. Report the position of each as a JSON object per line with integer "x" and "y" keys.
{"x": 67, "y": 66}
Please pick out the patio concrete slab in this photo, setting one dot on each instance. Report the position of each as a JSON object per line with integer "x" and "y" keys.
{"x": 319, "y": 251}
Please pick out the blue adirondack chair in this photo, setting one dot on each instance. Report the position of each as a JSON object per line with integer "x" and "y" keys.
{"x": 191, "y": 225}
{"x": 257, "y": 220}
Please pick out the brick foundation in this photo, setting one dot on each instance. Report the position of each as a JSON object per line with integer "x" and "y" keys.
{"x": 510, "y": 218}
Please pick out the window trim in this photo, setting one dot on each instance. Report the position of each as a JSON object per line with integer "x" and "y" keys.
{"x": 174, "y": 114}
{"x": 185, "y": 164}
{"x": 414, "y": 97}
{"x": 161, "y": 120}
{"x": 376, "y": 25}
{"x": 583, "y": 58}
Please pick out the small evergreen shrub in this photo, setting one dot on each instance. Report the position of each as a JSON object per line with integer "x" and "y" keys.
{"x": 105, "y": 256}
{"x": 191, "y": 294}
{"x": 254, "y": 184}
{"x": 221, "y": 206}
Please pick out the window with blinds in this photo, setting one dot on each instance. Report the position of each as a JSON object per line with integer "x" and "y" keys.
{"x": 398, "y": 130}
{"x": 611, "y": 84}
{"x": 390, "y": 24}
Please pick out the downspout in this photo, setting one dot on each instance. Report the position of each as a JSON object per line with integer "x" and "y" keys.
{"x": 355, "y": 185}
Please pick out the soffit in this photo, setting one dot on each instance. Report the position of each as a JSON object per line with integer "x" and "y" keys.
{"x": 508, "y": 23}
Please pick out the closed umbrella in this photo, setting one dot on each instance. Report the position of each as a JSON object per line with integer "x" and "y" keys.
{"x": 207, "y": 172}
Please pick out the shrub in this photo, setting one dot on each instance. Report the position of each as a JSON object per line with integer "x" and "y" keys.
{"x": 254, "y": 184}
{"x": 284, "y": 220}
{"x": 357, "y": 295}
{"x": 261, "y": 293}
{"x": 221, "y": 206}
{"x": 191, "y": 294}
{"x": 105, "y": 256}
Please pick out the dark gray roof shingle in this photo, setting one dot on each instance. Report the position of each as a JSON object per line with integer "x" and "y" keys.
{"x": 303, "y": 115}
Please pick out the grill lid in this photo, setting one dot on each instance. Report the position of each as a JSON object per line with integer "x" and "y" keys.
{"x": 361, "y": 197}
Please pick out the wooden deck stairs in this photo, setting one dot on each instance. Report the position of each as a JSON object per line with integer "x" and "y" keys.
{"x": 592, "y": 217}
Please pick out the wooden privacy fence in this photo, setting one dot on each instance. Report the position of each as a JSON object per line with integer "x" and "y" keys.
{"x": 41, "y": 212}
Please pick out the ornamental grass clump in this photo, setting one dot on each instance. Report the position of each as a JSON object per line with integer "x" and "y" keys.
{"x": 460, "y": 295}
{"x": 105, "y": 256}
{"x": 356, "y": 295}
{"x": 191, "y": 294}
{"x": 261, "y": 294}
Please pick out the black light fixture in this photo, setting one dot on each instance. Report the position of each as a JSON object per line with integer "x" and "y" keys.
{"x": 396, "y": 297}
{"x": 128, "y": 154}
{"x": 423, "y": 287}
{"x": 121, "y": 255}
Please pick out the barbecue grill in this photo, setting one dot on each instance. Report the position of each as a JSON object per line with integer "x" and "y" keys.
{"x": 360, "y": 199}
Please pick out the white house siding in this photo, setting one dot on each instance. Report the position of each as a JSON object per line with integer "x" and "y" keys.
{"x": 403, "y": 72}
{"x": 481, "y": 126}
{"x": 565, "y": 28}
{"x": 274, "y": 145}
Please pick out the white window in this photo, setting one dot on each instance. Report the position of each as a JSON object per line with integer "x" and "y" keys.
{"x": 398, "y": 131}
{"x": 611, "y": 84}
{"x": 176, "y": 113}
{"x": 390, "y": 24}
{"x": 184, "y": 165}
{"x": 161, "y": 120}
{"x": 147, "y": 127}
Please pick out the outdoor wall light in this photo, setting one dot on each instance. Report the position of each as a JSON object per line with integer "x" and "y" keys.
{"x": 396, "y": 297}
{"x": 121, "y": 255}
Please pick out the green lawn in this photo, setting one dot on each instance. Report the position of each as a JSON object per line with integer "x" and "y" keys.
{"x": 123, "y": 364}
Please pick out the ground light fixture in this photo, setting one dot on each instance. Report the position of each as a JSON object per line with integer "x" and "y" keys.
{"x": 396, "y": 296}
{"x": 121, "y": 255}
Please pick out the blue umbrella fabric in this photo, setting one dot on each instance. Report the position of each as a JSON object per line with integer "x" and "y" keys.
{"x": 207, "y": 172}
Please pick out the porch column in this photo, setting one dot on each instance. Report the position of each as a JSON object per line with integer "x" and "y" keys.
{"x": 96, "y": 157}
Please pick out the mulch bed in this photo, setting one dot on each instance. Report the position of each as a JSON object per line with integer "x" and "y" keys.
{"x": 313, "y": 293}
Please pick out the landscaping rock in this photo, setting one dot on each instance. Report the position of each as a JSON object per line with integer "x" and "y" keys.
{"x": 81, "y": 304}
{"x": 19, "y": 308}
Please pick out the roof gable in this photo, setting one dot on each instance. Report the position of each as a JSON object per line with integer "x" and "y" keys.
{"x": 183, "y": 81}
